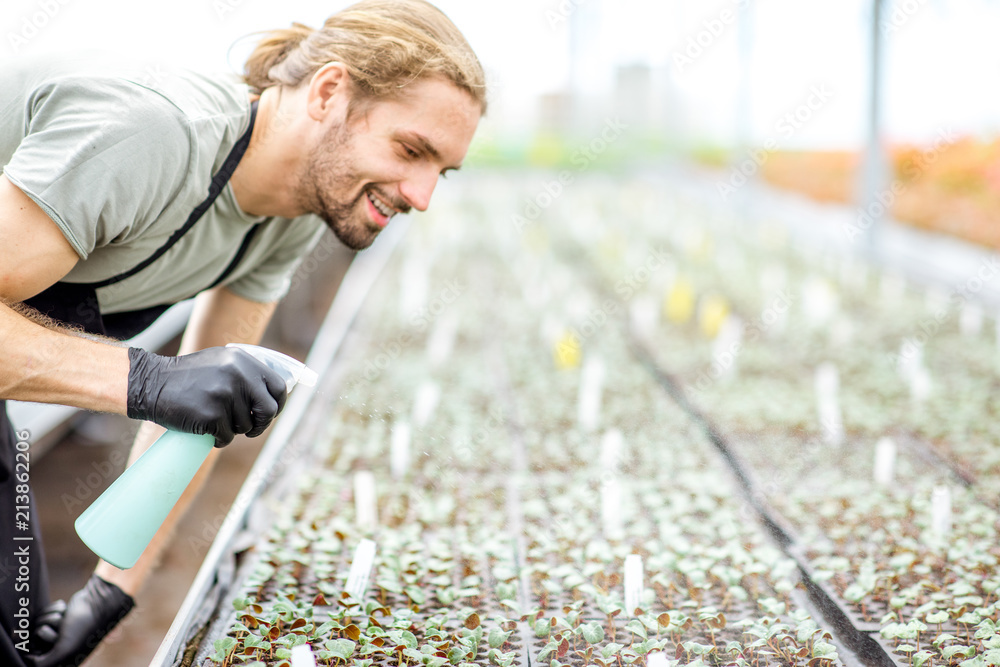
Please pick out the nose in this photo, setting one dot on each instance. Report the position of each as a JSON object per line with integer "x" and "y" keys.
{"x": 418, "y": 188}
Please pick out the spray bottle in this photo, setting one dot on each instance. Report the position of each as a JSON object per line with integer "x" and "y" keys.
{"x": 123, "y": 520}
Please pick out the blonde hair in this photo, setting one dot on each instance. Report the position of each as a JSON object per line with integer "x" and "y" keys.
{"x": 385, "y": 44}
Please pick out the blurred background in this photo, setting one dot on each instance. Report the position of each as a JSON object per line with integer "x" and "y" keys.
{"x": 842, "y": 96}
{"x": 880, "y": 109}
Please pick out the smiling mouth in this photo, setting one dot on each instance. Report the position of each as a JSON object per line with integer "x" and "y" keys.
{"x": 381, "y": 207}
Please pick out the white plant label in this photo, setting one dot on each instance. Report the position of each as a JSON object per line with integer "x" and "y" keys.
{"x": 633, "y": 583}
{"x": 828, "y": 403}
{"x": 442, "y": 339}
{"x": 941, "y": 511}
{"x": 612, "y": 445}
{"x": 413, "y": 288}
{"x": 657, "y": 659}
{"x": 611, "y": 509}
{"x": 920, "y": 384}
{"x": 727, "y": 346}
{"x": 365, "y": 500}
{"x": 399, "y": 455}
{"x": 361, "y": 569}
{"x": 644, "y": 313}
{"x": 892, "y": 287}
{"x": 885, "y": 461}
{"x": 302, "y": 656}
{"x": 589, "y": 400}
{"x": 820, "y": 301}
{"x": 428, "y": 395}
{"x": 970, "y": 320}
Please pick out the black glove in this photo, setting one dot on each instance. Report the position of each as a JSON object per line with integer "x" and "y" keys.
{"x": 219, "y": 391}
{"x": 69, "y": 633}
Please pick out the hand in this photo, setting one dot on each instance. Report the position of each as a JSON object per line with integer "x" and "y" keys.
{"x": 70, "y": 632}
{"x": 219, "y": 391}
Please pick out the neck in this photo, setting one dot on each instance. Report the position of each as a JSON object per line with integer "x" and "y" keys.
{"x": 264, "y": 181}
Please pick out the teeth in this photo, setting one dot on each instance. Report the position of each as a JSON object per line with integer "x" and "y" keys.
{"x": 382, "y": 208}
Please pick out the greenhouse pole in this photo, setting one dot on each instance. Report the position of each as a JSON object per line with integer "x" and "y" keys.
{"x": 872, "y": 212}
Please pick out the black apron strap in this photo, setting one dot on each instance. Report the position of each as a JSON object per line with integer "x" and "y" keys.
{"x": 77, "y": 304}
{"x": 214, "y": 190}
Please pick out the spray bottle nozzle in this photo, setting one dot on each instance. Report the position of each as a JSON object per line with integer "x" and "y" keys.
{"x": 293, "y": 371}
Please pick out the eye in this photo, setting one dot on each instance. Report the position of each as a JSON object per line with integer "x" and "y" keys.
{"x": 410, "y": 152}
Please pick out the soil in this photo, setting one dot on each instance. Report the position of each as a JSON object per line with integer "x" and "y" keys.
{"x": 79, "y": 467}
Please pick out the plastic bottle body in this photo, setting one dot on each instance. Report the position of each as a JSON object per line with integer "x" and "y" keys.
{"x": 122, "y": 522}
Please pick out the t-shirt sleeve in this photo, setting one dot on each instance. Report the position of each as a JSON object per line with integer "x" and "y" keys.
{"x": 271, "y": 279}
{"x": 101, "y": 159}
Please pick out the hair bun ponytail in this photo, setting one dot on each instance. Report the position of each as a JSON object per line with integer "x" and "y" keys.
{"x": 271, "y": 50}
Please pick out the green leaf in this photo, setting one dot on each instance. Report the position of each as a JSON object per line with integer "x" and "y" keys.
{"x": 497, "y": 637}
{"x": 698, "y": 649}
{"x": 611, "y": 649}
{"x": 542, "y": 627}
{"x": 225, "y": 645}
{"x": 964, "y": 651}
{"x": 342, "y": 648}
{"x": 457, "y": 654}
{"x": 937, "y": 617}
{"x": 416, "y": 595}
{"x": 636, "y": 627}
{"x": 593, "y": 632}
{"x": 824, "y": 650}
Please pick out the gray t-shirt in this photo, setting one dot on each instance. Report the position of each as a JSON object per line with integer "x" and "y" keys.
{"x": 119, "y": 155}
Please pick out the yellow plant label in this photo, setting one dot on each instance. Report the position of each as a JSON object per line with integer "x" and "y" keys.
{"x": 567, "y": 351}
{"x": 679, "y": 304}
{"x": 712, "y": 312}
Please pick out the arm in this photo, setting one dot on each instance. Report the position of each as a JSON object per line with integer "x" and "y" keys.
{"x": 219, "y": 317}
{"x": 40, "y": 363}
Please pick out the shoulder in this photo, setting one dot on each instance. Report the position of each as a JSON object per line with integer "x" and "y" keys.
{"x": 136, "y": 97}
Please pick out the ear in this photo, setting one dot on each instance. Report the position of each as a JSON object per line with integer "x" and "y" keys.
{"x": 329, "y": 91}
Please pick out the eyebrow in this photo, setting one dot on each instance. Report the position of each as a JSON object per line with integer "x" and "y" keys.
{"x": 425, "y": 144}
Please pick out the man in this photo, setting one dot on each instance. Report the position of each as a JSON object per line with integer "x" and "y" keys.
{"x": 123, "y": 193}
